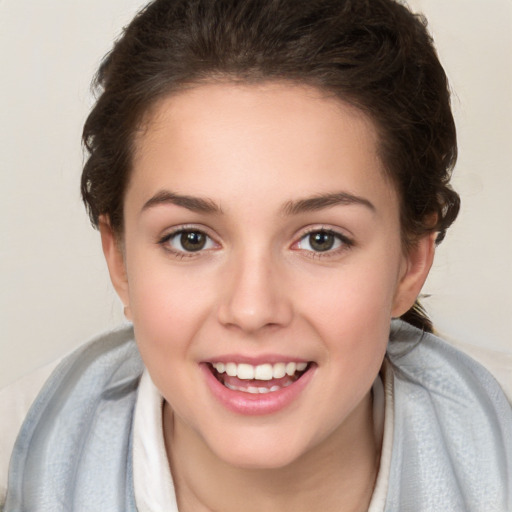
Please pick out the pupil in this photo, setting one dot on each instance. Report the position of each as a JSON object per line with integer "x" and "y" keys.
{"x": 192, "y": 240}
{"x": 321, "y": 241}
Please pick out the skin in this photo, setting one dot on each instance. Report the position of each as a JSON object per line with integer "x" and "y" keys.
{"x": 252, "y": 154}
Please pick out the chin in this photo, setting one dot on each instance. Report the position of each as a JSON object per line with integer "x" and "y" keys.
{"x": 259, "y": 461}
{"x": 260, "y": 452}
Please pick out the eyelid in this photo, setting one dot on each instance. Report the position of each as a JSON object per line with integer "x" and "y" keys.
{"x": 347, "y": 242}
{"x": 168, "y": 235}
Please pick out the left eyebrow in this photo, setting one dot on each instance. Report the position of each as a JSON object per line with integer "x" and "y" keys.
{"x": 195, "y": 204}
{"x": 322, "y": 201}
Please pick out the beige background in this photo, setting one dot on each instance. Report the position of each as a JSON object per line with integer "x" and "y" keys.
{"x": 54, "y": 289}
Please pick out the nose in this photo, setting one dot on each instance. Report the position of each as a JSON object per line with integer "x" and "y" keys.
{"x": 255, "y": 296}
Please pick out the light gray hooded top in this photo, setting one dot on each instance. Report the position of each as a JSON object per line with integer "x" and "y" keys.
{"x": 452, "y": 441}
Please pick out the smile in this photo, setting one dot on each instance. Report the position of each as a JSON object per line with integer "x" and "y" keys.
{"x": 258, "y": 379}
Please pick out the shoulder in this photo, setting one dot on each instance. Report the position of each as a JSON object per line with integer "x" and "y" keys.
{"x": 453, "y": 427}
{"x": 102, "y": 370}
{"x": 92, "y": 369}
{"x": 427, "y": 362}
{"x": 15, "y": 401}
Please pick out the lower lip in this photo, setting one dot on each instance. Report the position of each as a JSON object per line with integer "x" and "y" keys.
{"x": 256, "y": 404}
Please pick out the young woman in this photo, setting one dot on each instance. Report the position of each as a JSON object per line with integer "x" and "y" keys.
{"x": 269, "y": 180}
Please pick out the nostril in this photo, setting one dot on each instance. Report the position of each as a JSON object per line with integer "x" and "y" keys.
{"x": 253, "y": 297}
{"x": 253, "y": 317}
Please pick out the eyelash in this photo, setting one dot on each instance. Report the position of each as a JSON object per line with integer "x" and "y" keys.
{"x": 168, "y": 237}
{"x": 344, "y": 242}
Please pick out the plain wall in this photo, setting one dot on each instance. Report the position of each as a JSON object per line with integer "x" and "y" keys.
{"x": 54, "y": 288}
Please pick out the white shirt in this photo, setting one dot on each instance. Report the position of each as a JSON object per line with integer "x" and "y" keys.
{"x": 154, "y": 491}
{"x": 153, "y": 486}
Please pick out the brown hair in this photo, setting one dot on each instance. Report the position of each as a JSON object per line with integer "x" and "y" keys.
{"x": 374, "y": 54}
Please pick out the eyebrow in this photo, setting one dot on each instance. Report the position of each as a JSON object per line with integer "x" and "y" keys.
{"x": 195, "y": 204}
{"x": 321, "y": 201}
{"x": 308, "y": 204}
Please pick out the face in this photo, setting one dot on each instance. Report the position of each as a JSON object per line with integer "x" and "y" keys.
{"x": 261, "y": 266}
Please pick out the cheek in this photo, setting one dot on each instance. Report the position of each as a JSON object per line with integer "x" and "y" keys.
{"x": 353, "y": 296}
{"x": 168, "y": 311}
{"x": 167, "y": 306}
{"x": 351, "y": 313}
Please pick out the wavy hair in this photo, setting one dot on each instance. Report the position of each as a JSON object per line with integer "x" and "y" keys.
{"x": 373, "y": 54}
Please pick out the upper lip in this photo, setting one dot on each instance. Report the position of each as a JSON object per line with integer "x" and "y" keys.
{"x": 256, "y": 360}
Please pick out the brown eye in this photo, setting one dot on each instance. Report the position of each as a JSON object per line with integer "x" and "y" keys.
{"x": 187, "y": 241}
{"x": 321, "y": 241}
{"x": 193, "y": 241}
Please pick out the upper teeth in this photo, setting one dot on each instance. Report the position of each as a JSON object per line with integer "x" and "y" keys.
{"x": 260, "y": 372}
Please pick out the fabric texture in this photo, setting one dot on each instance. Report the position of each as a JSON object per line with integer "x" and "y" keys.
{"x": 152, "y": 479}
{"x": 15, "y": 401}
{"x": 73, "y": 452}
{"x": 452, "y": 447}
{"x": 451, "y": 450}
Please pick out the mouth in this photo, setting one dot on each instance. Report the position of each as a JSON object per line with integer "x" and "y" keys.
{"x": 258, "y": 379}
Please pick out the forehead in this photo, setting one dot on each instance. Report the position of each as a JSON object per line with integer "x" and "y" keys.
{"x": 267, "y": 137}
{"x": 309, "y": 113}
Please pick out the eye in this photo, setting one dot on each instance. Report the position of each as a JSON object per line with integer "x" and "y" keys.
{"x": 323, "y": 241}
{"x": 187, "y": 240}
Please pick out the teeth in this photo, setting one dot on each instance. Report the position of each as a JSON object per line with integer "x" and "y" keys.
{"x": 231, "y": 369}
{"x": 279, "y": 371}
{"x": 291, "y": 368}
{"x": 253, "y": 390}
{"x": 265, "y": 371}
{"x": 245, "y": 372}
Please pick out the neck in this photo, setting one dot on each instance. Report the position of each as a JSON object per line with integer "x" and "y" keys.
{"x": 339, "y": 474}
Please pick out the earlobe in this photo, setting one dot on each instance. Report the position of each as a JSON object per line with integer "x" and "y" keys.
{"x": 114, "y": 257}
{"x": 416, "y": 266}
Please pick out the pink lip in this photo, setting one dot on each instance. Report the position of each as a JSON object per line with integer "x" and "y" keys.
{"x": 255, "y": 404}
{"x": 256, "y": 360}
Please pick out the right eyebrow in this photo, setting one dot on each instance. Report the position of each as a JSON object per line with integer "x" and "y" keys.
{"x": 322, "y": 201}
{"x": 195, "y": 204}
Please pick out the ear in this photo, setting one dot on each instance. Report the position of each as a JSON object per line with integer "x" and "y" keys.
{"x": 415, "y": 268}
{"x": 113, "y": 251}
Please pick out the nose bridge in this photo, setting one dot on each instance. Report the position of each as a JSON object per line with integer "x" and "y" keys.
{"x": 255, "y": 295}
